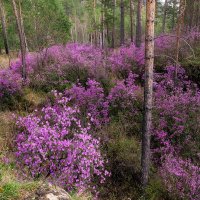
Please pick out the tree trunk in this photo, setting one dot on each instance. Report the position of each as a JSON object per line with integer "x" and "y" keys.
{"x": 148, "y": 90}
{"x": 164, "y": 16}
{"x": 3, "y": 23}
{"x": 108, "y": 34}
{"x": 174, "y": 12}
{"x": 131, "y": 18}
{"x": 113, "y": 28}
{"x": 102, "y": 25}
{"x": 22, "y": 26}
{"x": 22, "y": 41}
{"x": 139, "y": 25}
{"x": 178, "y": 34}
{"x": 197, "y": 13}
{"x": 95, "y": 23}
{"x": 122, "y": 23}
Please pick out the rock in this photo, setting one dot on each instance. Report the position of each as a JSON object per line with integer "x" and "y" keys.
{"x": 49, "y": 192}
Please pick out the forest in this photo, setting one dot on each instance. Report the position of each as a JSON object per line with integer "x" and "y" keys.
{"x": 99, "y": 99}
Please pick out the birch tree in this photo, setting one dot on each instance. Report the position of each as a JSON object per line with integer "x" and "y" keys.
{"x": 3, "y": 23}
{"x": 21, "y": 39}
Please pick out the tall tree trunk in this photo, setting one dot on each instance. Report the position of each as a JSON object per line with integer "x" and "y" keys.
{"x": 3, "y": 23}
{"x": 198, "y": 17}
{"x": 178, "y": 34}
{"x": 22, "y": 25}
{"x": 174, "y": 13}
{"x": 113, "y": 28}
{"x": 102, "y": 24}
{"x": 122, "y": 23}
{"x": 131, "y": 18}
{"x": 22, "y": 41}
{"x": 95, "y": 23}
{"x": 108, "y": 34}
{"x": 139, "y": 25}
{"x": 197, "y": 13}
{"x": 148, "y": 90}
{"x": 164, "y": 16}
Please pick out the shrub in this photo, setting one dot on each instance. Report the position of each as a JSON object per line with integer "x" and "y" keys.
{"x": 181, "y": 177}
{"x": 56, "y": 145}
{"x": 10, "y": 82}
{"x": 91, "y": 100}
{"x": 176, "y": 113}
{"x": 176, "y": 134}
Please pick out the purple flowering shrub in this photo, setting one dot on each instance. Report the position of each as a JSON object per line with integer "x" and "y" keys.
{"x": 177, "y": 110}
{"x": 56, "y": 145}
{"x": 123, "y": 95}
{"x": 91, "y": 100}
{"x": 181, "y": 177}
{"x": 176, "y": 133}
{"x": 71, "y": 62}
{"x": 52, "y": 67}
{"x": 10, "y": 82}
{"x": 125, "y": 104}
{"x": 125, "y": 59}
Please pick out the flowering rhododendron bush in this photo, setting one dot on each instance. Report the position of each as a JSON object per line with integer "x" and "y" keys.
{"x": 53, "y": 67}
{"x": 90, "y": 99}
{"x": 10, "y": 82}
{"x": 61, "y": 135}
{"x": 56, "y": 145}
{"x": 178, "y": 110}
{"x": 97, "y": 107}
{"x": 176, "y": 134}
{"x": 181, "y": 177}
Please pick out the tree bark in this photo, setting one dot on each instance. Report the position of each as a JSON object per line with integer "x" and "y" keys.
{"x": 22, "y": 26}
{"x": 95, "y": 23}
{"x": 164, "y": 16}
{"x": 174, "y": 12}
{"x": 102, "y": 25}
{"x": 139, "y": 25}
{"x": 148, "y": 90}
{"x": 113, "y": 28}
{"x": 131, "y": 18}
{"x": 22, "y": 41}
{"x": 122, "y": 23}
{"x": 3, "y": 23}
{"x": 178, "y": 34}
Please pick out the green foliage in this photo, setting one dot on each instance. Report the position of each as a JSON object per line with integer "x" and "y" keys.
{"x": 10, "y": 187}
{"x": 156, "y": 189}
{"x": 192, "y": 67}
{"x": 124, "y": 154}
{"x": 45, "y": 23}
{"x": 9, "y": 191}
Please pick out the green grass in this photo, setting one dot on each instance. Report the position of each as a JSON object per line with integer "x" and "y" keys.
{"x": 83, "y": 196}
{"x": 9, "y": 191}
{"x": 11, "y": 188}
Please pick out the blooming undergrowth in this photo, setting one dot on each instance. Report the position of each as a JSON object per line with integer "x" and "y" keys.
{"x": 62, "y": 141}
